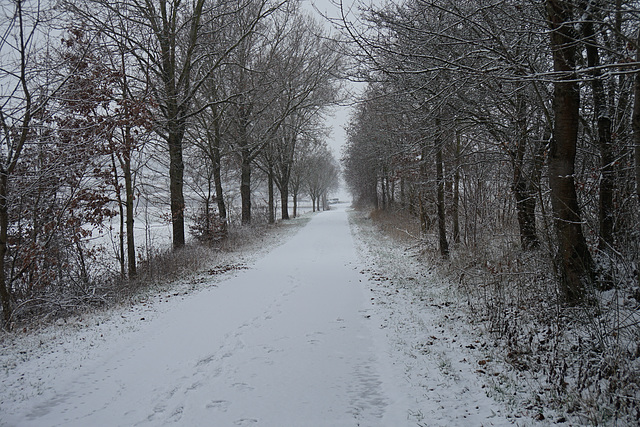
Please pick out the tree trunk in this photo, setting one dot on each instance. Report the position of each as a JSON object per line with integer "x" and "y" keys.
{"x": 282, "y": 182}
{"x": 121, "y": 216}
{"x": 131, "y": 244}
{"x": 391, "y": 191}
{"x": 222, "y": 208}
{"x": 425, "y": 224}
{"x": 636, "y": 119}
{"x": 603, "y": 125}
{"x": 522, "y": 186}
{"x": 384, "y": 193}
{"x": 5, "y": 294}
{"x": 271, "y": 208}
{"x": 574, "y": 260}
{"x": 284, "y": 177}
{"x": 526, "y": 207}
{"x": 245, "y": 186}
{"x": 295, "y": 205}
{"x": 456, "y": 192}
{"x": 442, "y": 227}
{"x": 216, "y": 162}
{"x": 284, "y": 199}
{"x": 373, "y": 193}
{"x": 176, "y": 178}
{"x": 84, "y": 274}
{"x": 607, "y": 184}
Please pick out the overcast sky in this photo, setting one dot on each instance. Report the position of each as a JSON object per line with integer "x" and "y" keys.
{"x": 341, "y": 114}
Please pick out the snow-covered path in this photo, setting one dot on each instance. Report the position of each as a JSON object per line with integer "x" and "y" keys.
{"x": 286, "y": 343}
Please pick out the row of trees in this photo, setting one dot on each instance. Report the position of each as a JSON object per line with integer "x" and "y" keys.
{"x": 106, "y": 103}
{"x": 488, "y": 116}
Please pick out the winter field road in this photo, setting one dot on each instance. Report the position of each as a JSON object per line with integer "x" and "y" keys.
{"x": 292, "y": 341}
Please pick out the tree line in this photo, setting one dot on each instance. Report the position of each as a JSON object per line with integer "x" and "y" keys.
{"x": 506, "y": 117}
{"x": 104, "y": 104}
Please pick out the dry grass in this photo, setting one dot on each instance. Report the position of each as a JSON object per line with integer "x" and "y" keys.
{"x": 398, "y": 225}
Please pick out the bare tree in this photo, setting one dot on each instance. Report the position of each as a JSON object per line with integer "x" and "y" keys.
{"x": 250, "y": 127}
{"x": 167, "y": 41}
{"x": 264, "y": 93}
{"x": 20, "y": 103}
{"x": 575, "y": 263}
{"x": 308, "y": 145}
{"x": 307, "y": 73}
{"x": 321, "y": 177}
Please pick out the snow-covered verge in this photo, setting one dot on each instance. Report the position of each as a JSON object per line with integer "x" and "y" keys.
{"x": 544, "y": 363}
{"x": 426, "y": 322}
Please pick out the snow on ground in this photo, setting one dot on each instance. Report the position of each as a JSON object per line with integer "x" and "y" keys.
{"x": 453, "y": 375}
{"x": 311, "y": 334}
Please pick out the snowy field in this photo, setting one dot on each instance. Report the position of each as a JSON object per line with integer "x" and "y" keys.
{"x": 152, "y": 227}
{"x": 310, "y": 334}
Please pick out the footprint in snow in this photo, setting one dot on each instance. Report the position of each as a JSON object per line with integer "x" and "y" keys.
{"x": 220, "y": 405}
{"x": 196, "y": 385}
{"x": 176, "y": 415}
{"x": 243, "y": 386}
{"x": 206, "y": 360}
{"x": 245, "y": 421}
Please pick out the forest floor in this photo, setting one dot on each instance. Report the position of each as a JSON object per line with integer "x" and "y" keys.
{"x": 325, "y": 322}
